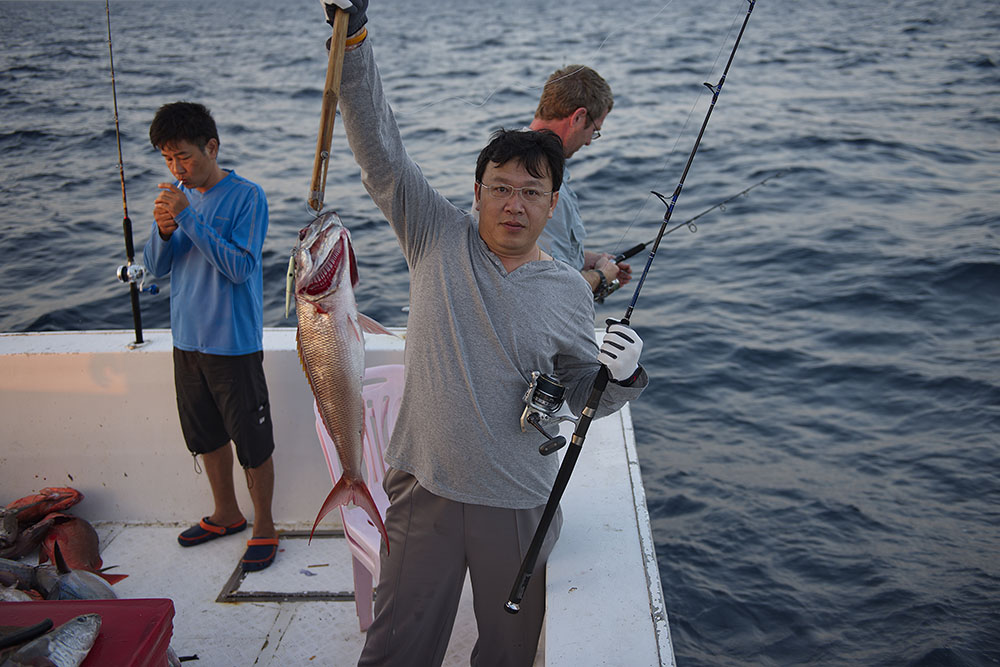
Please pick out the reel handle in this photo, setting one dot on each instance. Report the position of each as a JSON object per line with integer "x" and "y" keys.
{"x": 553, "y": 444}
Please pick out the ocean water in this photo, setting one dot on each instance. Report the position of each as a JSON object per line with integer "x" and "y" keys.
{"x": 819, "y": 444}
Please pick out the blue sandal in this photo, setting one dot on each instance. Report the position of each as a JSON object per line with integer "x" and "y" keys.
{"x": 260, "y": 553}
{"x": 207, "y": 531}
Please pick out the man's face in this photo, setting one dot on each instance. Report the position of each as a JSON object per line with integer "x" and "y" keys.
{"x": 191, "y": 165}
{"x": 510, "y": 226}
{"x": 582, "y": 132}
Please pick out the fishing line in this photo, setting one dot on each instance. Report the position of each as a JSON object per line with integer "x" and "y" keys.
{"x": 520, "y": 586}
{"x": 593, "y": 57}
{"x": 689, "y": 223}
{"x": 681, "y": 132}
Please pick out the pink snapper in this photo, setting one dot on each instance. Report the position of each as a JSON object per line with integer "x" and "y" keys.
{"x": 331, "y": 347}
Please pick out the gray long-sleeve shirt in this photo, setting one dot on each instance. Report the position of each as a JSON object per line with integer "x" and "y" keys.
{"x": 475, "y": 331}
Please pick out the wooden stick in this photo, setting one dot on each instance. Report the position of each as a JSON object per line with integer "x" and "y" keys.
{"x": 331, "y": 94}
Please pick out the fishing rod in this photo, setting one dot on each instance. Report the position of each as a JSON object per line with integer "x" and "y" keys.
{"x": 132, "y": 273}
{"x": 513, "y": 604}
{"x": 614, "y": 285}
{"x": 689, "y": 223}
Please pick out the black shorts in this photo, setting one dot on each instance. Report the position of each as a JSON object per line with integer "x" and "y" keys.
{"x": 222, "y": 398}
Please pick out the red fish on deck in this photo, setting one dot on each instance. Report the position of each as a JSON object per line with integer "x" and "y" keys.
{"x": 30, "y": 509}
{"x": 79, "y": 545}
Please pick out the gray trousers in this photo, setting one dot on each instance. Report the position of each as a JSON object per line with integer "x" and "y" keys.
{"x": 432, "y": 541}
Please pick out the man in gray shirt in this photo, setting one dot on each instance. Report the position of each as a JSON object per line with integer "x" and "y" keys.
{"x": 487, "y": 307}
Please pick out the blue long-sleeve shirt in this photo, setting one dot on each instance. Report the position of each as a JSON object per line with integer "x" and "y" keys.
{"x": 215, "y": 267}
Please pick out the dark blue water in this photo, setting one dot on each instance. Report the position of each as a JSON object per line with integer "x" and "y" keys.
{"x": 820, "y": 442}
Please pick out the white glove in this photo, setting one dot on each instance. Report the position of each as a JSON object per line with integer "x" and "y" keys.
{"x": 343, "y": 4}
{"x": 620, "y": 350}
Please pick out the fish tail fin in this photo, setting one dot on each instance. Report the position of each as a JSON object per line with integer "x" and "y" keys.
{"x": 111, "y": 578}
{"x": 362, "y": 497}
{"x": 354, "y": 491}
{"x": 339, "y": 495}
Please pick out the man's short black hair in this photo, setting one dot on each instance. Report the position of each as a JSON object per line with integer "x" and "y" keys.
{"x": 180, "y": 121}
{"x": 535, "y": 150}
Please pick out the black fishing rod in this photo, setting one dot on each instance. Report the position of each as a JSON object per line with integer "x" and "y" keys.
{"x": 614, "y": 286}
{"x": 689, "y": 223}
{"x": 131, "y": 273}
{"x": 513, "y": 604}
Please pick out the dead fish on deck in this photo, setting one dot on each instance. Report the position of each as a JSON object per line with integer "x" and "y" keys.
{"x": 22, "y": 575}
{"x": 30, "y": 509}
{"x": 65, "y": 646}
{"x": 22, "y": 513}
{"x": 29, "y": 538}
{"x": 8, "y": 527}
{"x": 331, "y": 347}
{"x": 60, "y": 582}
{"x": 54, "y": 582}
{"x": 11, "y": 593}
{"x": 79, "y": 545}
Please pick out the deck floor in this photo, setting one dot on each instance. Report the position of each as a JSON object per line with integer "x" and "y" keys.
{"x": 262, "y": 633}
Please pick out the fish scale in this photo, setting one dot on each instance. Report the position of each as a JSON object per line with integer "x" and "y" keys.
{"x": 66, "y": 646}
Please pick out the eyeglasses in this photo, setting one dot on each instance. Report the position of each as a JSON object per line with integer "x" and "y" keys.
{"x": 528, "y": 194}
{"x": 597, "y": 133}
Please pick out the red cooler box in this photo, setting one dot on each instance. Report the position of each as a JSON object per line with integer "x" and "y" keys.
{"x": 134, "y": 633}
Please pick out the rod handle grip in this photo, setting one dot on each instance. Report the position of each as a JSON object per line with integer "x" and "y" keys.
{"x": 631, "y": 252}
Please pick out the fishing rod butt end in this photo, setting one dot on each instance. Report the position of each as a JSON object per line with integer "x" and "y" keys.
{"x": 513, "y": 603}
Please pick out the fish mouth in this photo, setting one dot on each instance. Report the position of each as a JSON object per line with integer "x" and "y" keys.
{"x": 324, "y": 251}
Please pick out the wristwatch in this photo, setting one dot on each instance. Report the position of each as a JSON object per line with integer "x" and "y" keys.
{"x": 602, "y": 286}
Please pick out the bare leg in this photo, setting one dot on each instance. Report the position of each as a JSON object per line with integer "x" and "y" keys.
{"x": 219, "y": 469}
{"x": 260, "y": 482}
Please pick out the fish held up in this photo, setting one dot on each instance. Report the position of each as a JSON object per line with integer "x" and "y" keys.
{"x": 331, "y": 347}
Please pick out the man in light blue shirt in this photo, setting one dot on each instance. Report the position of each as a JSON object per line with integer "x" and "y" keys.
{"x": 574, "y": 104}
{"x": 208, "y": 236}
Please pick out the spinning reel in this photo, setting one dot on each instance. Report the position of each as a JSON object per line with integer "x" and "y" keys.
{"x": 136, "y": 273}
{"x": 605, "y": 291}
{"x": 543, "y": 405}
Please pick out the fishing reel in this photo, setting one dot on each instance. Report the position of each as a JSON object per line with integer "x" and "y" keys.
{"x": 605, "y": 291}
{"x": 544, "y": 405}
{"x": 136, "y": 273}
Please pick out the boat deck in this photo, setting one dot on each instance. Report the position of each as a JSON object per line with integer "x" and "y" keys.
{"x": 285, "y": 615}
{"x": 85, "y": 410}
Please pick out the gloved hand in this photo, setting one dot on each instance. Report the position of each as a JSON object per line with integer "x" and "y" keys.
{"x": 620, "y": 350}
{"x": 356, "y": 8}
